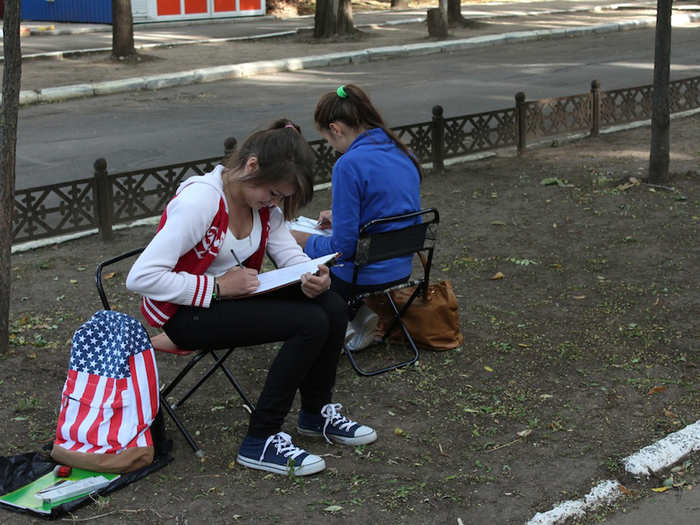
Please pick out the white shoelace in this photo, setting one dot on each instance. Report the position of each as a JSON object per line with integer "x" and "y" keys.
{"x": 283, "y": 444}
{"x": 333, "y": 417}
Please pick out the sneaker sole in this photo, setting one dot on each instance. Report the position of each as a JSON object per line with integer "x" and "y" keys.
{"x": 304, "y": 470}
{"x": 354, "y": 441}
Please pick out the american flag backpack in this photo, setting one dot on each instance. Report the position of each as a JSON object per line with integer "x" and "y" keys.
{"x": 110, "y": 397}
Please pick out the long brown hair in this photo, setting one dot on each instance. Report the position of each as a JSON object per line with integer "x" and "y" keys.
{"x": 355, "y": 110}
{"x": 283, "y": 156}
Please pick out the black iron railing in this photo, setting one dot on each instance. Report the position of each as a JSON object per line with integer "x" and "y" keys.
{"x": 108, "y": 199}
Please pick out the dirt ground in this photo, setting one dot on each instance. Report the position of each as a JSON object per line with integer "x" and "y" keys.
{"x": 588, "y": 342}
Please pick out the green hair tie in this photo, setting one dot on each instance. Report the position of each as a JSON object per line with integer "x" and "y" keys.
{"x": 341, "y": 92}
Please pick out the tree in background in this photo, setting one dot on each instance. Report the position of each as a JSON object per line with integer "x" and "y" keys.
{"x": 333, "y": 18}
{"x": 12, "y": 72}
{"x": 122, "y": 29}
{"x": 454, "y": 13}
{"x": 659, "y": 155}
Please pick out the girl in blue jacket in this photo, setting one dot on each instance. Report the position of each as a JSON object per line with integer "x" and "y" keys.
{"x": 376, "y": 176}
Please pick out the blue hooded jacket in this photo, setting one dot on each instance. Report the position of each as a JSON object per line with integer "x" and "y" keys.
{"x": 372, "y": 179}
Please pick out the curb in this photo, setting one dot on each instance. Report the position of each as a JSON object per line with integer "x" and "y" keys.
{"x": 645, "y": 462}
{"x": 248, "y": 69}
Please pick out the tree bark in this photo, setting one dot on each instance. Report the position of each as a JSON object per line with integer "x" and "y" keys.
{"x": 122, "y": 29}
{"x": 454, "y": 13}
{"x": 333, "y": 18}
{"x": 12, "y": 72}
{"x": 659, "y": 155}
{"x": 437, "y": 23}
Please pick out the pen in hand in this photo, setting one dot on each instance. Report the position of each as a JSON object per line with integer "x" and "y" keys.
{"x": 235, "y": 258}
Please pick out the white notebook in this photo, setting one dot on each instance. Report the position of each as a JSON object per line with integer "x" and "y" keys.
{"x": 304, "y": 224}
{"x": 291, "y": 274}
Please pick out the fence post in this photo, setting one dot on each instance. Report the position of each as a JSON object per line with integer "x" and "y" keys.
{"x": 520, "y": 119}
{"x": 103, "y": 200}
{"x": 438, "y": 138}
{"x": 229, "y": 145}
{"x": 595, "y": 108}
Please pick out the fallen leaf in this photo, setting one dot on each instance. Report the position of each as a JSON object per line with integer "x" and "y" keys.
{"x": 488, "y": 369}
{"x": 498, "y": 223}
{"x": 73, "y": 281}
{"x": 525, "y": 433}
{"x": 546, "y": 396}
{"x": 657, "y": 389}
{"x": 496, "y": 276}
{"x": 625, "y": 490}
{"x": 333, "y": 508}
{"x": 660, "y": 489}
{"x": 110, "y": 275}
{"x": 399, "y": 431}
{"x": 579, "y": 297}
{"x": 524, "y": 345}
{"x": 670, "y": 414}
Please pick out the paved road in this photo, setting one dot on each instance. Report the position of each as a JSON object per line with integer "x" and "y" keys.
{"x": 133, "y": 130}
{"x": 64, "y": 36}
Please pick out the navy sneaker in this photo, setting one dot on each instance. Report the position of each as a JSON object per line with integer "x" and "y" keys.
{"x": 279, "y": 455}
{"x": 335, "y": 427}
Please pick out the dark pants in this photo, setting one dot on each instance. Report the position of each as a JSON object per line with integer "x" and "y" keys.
{"x": 312, "y": 330}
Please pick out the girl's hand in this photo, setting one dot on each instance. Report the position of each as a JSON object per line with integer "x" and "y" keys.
{"x": 325, "y": 220}
{"x": 238, "y": 281}
{"x": 314, "y": 285}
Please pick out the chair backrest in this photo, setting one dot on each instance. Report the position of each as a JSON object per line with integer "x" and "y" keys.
{"x": 373, "y": 246}
{"x": 104, "y": 264}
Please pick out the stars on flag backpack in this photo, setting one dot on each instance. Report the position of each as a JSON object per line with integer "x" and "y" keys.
{"x": 110, "y": 397}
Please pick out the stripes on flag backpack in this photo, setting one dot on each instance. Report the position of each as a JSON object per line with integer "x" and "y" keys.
{"x": 110, "y": 397}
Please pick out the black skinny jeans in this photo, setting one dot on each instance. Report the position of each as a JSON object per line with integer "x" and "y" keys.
{"x": 313, "y": 331}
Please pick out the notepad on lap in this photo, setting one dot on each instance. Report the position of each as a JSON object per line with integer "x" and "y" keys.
{"x": 304, "y": 224}
{"x": 291, "y": 274}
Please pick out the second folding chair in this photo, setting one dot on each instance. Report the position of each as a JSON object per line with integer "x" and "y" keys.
{"x": 374, "y": 246}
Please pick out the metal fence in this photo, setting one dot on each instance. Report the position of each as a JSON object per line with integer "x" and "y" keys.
{"x": 108, "y": 199}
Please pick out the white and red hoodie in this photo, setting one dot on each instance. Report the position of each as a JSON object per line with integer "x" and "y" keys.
{"x": 191, "y": 247}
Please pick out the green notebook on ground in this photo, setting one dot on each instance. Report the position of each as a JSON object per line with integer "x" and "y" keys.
{"x": 34, "y": 496}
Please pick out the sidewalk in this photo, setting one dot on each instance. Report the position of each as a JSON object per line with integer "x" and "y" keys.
{"x": 178, "y": 54}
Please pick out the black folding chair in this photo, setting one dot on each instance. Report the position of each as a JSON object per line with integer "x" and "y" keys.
{"x": 219, "y": 358}
{"x": 374, "y": 246}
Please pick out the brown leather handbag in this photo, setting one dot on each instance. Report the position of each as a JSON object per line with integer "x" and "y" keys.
{"x": 432, "y": 321}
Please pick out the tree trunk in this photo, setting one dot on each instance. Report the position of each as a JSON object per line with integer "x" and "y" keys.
{"x": 659, "y": 154}
{"x": 454, "y": 13}
{"x": 333, "y": 18}
{"x": 437, "y": 23}
{"x": 12, "y": 72}
{"x": 122, "y": 29}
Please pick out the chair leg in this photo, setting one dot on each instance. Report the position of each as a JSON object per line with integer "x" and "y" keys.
{"x": 249, "y": 406}
{"x": 181, "y": 427}
{"x": 217, "y": 363}
{"x": 397, "y": 319}
{"x": 169, "y": 388}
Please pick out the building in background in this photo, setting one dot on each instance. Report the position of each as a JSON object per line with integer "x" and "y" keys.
{"x": 100, "y": 11}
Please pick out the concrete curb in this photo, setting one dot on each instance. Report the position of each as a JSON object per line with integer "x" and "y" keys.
{"x": 648, "y": 460}
{"x": 234, "y": 71}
